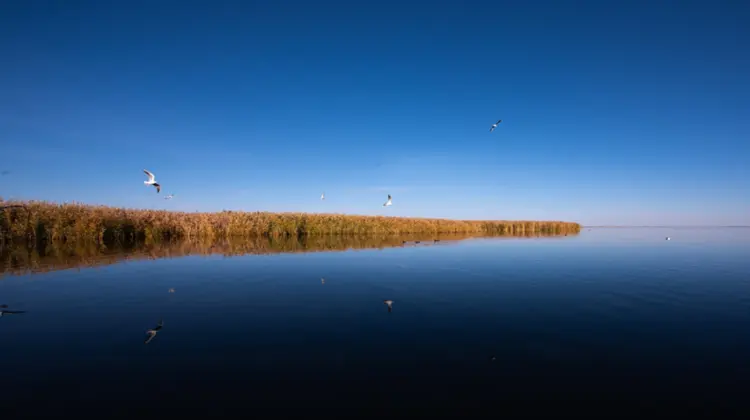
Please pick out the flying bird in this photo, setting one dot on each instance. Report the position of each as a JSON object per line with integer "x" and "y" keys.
{"x": 150, "y": 334}
{"x": 152, "y": 181}
{"x": 494, "y": 126}
{"x": 388, "y": 203}
{"x": 169, "y": 197}
{"x": 389, "y": 303}
{"x": 323, "y": 196}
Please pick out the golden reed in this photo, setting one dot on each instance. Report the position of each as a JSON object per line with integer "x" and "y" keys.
{"x": 42, "y": 222}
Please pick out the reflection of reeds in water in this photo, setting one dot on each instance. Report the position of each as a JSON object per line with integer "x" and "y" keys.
{"x": 37, "y": 222}
{"x": 17, "y": 260}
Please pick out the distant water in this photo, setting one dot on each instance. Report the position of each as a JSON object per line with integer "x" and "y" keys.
{"x": 612, "y": 316}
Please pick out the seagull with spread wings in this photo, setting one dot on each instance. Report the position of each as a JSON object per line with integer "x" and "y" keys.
{"x": 152, "y": 181}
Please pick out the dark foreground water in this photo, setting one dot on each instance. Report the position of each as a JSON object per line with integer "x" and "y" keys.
{"x": 619, "y": 318}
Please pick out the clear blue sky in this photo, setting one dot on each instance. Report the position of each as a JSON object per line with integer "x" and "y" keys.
{"x": 629, "y": 112}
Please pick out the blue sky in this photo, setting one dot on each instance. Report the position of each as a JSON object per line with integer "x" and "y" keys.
{"x": 613, "y": 112}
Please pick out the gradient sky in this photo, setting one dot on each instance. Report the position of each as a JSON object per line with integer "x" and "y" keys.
{"x": 629, "y": 112}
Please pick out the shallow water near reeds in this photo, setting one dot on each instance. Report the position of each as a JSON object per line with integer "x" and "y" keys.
{"x": 609, "y": 314}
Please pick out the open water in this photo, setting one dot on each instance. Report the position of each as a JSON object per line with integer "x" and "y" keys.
{"x": 617, "y": 317}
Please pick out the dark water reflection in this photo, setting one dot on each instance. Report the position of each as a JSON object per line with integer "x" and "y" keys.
{"x": 18, "y": 260}
{"x": 608, "y": 320}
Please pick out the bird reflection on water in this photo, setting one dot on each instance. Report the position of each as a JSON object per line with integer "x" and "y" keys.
{"x": 150, "y": 334}
{"x": 390, "y": 305}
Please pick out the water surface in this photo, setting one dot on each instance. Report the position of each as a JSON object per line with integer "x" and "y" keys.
{"x": 611, "y": 314}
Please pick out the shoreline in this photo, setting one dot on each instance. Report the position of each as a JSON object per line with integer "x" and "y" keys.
{"x": 42, "y": 222}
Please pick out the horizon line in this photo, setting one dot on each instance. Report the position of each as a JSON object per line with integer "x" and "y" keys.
{"x": 666, "y": 226}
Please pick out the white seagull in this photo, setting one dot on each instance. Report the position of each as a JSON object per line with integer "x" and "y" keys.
{"x": 169, "y": 197}
{"x": 390, "y": 304}
{"x": 495, "y": 125}
{"x": 388, "y": 203}
{"x": 152, "y": 181}
{"x": 323, "y": 196}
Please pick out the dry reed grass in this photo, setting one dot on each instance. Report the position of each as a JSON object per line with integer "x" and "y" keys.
{"x": 41, "y": 222}
{"x": 19, "y": 260}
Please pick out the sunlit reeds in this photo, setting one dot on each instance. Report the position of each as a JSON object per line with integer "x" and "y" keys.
{"x": 38, "y": 221}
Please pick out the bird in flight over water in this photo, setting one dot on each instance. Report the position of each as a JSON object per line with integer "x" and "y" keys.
{"x": 152, "y": 181}
{"x": 389, "y": 202}
{"x": 494, "y": 126}
{"x": 150, "y": 334}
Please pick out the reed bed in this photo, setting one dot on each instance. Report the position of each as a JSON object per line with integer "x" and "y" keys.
{"x": 40, "y": 222}
{"x": 21, "y": 259}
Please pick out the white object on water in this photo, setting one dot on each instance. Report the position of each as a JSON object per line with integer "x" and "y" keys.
{"x": 390, "y": 304}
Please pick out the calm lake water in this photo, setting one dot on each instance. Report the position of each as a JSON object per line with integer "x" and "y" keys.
{"x": 483, "y": 323}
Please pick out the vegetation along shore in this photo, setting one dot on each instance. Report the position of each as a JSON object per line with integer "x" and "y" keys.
{"x": 41, "y": 221}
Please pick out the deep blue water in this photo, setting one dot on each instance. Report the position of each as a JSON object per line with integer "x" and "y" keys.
{"x": 617, "y": 315}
